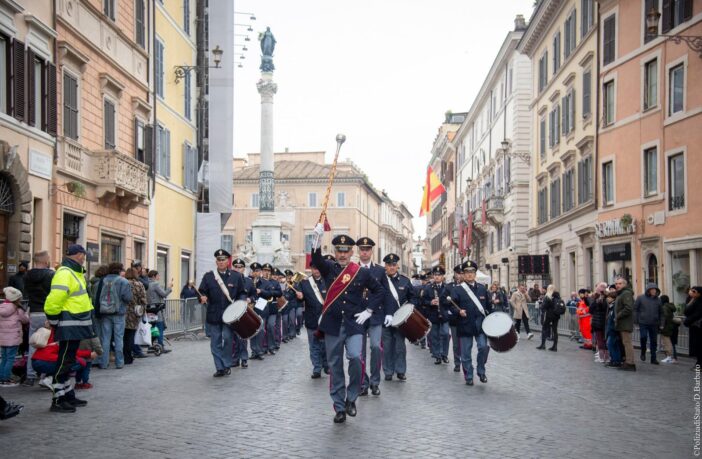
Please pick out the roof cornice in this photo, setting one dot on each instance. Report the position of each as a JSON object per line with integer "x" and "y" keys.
{"x": 539, "y": 23}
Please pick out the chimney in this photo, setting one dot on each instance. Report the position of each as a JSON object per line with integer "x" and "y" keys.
{"x": 519, "y": 23}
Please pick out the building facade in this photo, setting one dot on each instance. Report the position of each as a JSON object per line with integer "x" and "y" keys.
{"x": 493, "y": 149}
{"x": 649, "y": 140}
{"x": 561, "y": 40}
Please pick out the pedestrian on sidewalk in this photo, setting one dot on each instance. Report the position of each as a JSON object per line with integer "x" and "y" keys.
{"x": 648, "y": 310}
{"x": 550, "y": 324}
{"x": 156, "y": 294}
{"x": 114, "y": 295}
{"x": 693, "y": 320}
{"x": 667, "y": 327}
{"x": 12, "y": 317}
{"x": 598, "y": 311}
{"x": 624, "y": 320}
{"x": 521, "y": 310}
{"x": 135, "y": 312}
{"x": 614, "y": 343}
{"x": 37, "y": 285}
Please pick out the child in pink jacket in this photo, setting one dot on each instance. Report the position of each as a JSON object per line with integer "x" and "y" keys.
{"x": 12, "y": 316}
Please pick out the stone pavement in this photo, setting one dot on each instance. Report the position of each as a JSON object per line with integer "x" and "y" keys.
{"x": 536, "y": 404}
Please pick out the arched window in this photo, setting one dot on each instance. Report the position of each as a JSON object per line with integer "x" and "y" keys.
{"x": 7, "y": 200}
{"x": 652, "y": 275}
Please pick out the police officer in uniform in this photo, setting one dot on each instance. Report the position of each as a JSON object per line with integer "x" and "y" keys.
{"x": 311, "y": 294}
{"x": 260, "y": 289}
{"x": 436, "y": 305}
{"x": 221, "y": 335}
{"x": 343, "y": 323}
{"x": 273, "y": 291}
{"x": 290, "y": 311}
{"x": 394, "y": 350}
{"x": 241, "y": 346}
{"x": 472, "y": 298}
{"x": 423, "y": 281}
{"x": 374, "y": 330}
{"x": 453, "y": 318}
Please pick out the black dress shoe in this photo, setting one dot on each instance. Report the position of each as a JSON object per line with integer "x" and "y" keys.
{"x": 340, "y": 417}
{"x": 445, "y": 359}
{"x": 257, "y": 357}
{"x": 351, "y": 408}
{"x": 457, "y": 368}
{"x": 244, "y": 364}
{"x": 553, "y": 348}
{"x": 654, "y": 362}
{"x": 542, "y": 347}
{"x": 388, "y": 377}
{"x": 437, "y": 361}
{"x": 11, "y": 410}
{"x": 62, "y": 407}
{"x": 643, "y": 356}
{"x": 375, "y": 390}
{"x": 316, "y": 375}
{"x": 235, "y": 364}
{"x": 76, "y": 402}
{"x": 424, "y": 346}
{"x": 483, "y": 379}
{"x": 364, "y": 392}
{"x": 401, "y": 377}
{"x": 469, "y": 382}
{"x": 218, "y": 374}
{"x": 227, "y": 372}
{"x": 271, "y": 352}
{"x": 285, "y": 340}
{"x": 326, "y": 371}
{"x": 165, "y": 351}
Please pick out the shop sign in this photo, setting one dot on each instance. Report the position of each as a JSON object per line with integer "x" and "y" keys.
{"x": 614, "y": 227}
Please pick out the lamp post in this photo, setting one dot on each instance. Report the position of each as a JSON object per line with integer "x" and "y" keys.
{"x": 182, "y": 70}
{"x": 506, "y": 149}
{"x": 252, "y": 16}
{"x": 653, "y": 17}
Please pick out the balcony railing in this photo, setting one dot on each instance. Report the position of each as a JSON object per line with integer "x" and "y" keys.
{"x": 121, "y": 177}
{"x": 495, "y": 209}
{"x": 677, "y": 202}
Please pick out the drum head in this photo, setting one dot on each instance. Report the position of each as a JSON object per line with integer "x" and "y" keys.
{"x": 497, "y": 324}
{"x": 402, "y": 314}
{"x": 234, "y": 311}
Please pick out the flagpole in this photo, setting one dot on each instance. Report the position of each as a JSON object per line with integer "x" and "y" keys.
{"x": 340, "y": 139}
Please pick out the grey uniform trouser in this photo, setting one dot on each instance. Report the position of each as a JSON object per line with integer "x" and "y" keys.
{"x": 338, "y": 390}
{"x": 456, "y": 345}
{"x": 375, "y": 332}
{"x": 394, "y": 351}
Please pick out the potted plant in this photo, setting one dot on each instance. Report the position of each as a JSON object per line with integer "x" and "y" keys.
{"x": 77, "y": 188}
{"x": 625, "y": 221}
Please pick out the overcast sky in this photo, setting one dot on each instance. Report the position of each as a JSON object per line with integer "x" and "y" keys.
{"x": 383, "y": 72}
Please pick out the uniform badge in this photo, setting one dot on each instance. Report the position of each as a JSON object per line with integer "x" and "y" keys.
{"x": 346, "y": 279}
{"x": 230, "y": 285}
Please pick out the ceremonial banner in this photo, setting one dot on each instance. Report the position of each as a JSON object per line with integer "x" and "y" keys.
{"x": 432, "y": 190}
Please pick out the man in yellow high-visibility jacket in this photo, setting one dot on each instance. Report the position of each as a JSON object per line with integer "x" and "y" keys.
{"x": 69, "y": 309}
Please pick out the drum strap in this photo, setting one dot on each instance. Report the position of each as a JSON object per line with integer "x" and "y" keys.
{"x": 473, "y": 298}
{"x": 393, "y": 291}
{"x": 315, "y": 289}
{"x": 218, "y": 278}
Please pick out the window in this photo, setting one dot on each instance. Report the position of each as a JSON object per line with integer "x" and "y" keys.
{"x": 554, "y": 126}
{"x": 507, "y": 229}
{"x": 676, "y": 96}
{"x": 542, "y": 138}
{"x": 543, "y": 71}
{"x": 187, "y": 96}
{"x": 608, "y": 95}
{"x": 556, "y": 198}
{"x": 500, "y": 235}
{"x": 108, "y": 7}
{"x": 584, "y": 180}
{"x": 569, "y": 35}
{"x": 139, "y": 152}
{"x": 3, "y": 74}
{"x": 189, "y": 167}
{"x": 38, "y": 96}
{"x": 648, "y": 5}
{"x": 674, "y": 13}
{"x": 650, "y": 166}
{"x": 587, "y": 91}
{"x": 568, "y": 112}
{"x": 70, "y": 106}
{"x": 140, "y": 23}
{"x": 676, "y": 181}
{"x": 568, "y": 190}
{"x": 158, "y": 56}
{"x": 139, "y": 251}
{"x": 309, "y": 240}
{"x": 254, "y": 200}
{"x": 163, "y": 151}
{"x": 109, "y": 126}
{"x": 492, "y": 242}
{"x": 185, "y": 266}
{"x": 556, "y": 52}
{"x": 110, "y": 249}
{"x": 227, "y": 242}
{"x": 341, "y": 199}
{"x": 543, "y": 205}
{"x": 650, "y": 84}
{"x": 609, "y": 43}
{"x": 162, "y": 264}
{"x": 312, "y": 199}
{"x": 186, "y": 16}
{"x": 586, "y": 16}
{"x": 608, "y": 182}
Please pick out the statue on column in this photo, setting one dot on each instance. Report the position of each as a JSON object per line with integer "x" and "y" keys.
{"x": 267, "y": 47}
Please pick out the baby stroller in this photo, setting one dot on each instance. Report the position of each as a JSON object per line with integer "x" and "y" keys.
{"x": 151, "y": 315}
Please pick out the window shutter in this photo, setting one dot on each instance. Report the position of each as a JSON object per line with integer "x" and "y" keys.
{"x": 18, "y": 79}
{"x": 564, "y": 115}
{"x": 149, "y": 145}
{"x": 688, "y": 10}
{"x": 31, "y": 90}
{"x": 168, "y": 153}
{"x": 158, "y": 133}
{"x": 51, "y": 108}
{"x": 571, "y": 109}
{"x": 667, "y": 4}
{"x": 186, "y": 181}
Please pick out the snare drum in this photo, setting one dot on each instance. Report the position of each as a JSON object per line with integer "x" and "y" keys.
{"x": 500, "y": 331}
{"x": 243, "y": 320}
{"x": 411, "y": 322}
{"x": 280, "y": 303}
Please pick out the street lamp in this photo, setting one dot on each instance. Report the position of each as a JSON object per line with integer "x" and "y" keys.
{"x": 248, "y": 27}
{"x": 252, "y": 16}
{"x": 506, "y": 145}
{"x": 246, "y": 37}
{"x": 694, "y": 42}
{"x": 182, "y": 70}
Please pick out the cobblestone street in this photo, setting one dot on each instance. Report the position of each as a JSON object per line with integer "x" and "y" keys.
{"x": 536, "y": 404}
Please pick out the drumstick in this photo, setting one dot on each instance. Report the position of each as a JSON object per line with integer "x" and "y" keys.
{"x": 454, "y": 304}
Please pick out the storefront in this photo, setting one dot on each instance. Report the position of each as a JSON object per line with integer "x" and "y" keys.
{"x": 683, "y": 266}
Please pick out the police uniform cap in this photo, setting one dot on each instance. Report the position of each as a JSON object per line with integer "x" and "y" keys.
{"x": 329, "y": 257}
{"x": 267, "y": 266}
{"x": 391, "y": 258}
{"x": 458, "y": 268}
{"x": 239, "y": 262}
{"x": 438, "y": 270}
{"x": 343, "y": 243}
{"x": 470, "y": 266}
{"x": 255, "y": 266}
{"x": 288, "y": 272}
{"x": 365, "y": 241}
{"x": 277, "y": 272}
{"x": 222, "y": 253}
{"x": 423, "y": 277}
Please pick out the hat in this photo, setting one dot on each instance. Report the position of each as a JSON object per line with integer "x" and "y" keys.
{"x": 458, "y": 268}
{"x": 343, "y": 243}
{"x": 277, "y": 272}
{"x": 267, "y": 266}
{"x": 470, "y": 266}
{"x": 255, "y": 266}
{"x": 365, "y": 241}
{"x": 239, "y": 262}
{"x": 136, "y": 263}
{"x": 438, "y": 270}
{"x": 391, "y": 258}
{"x": 423, "y": 277}
{"x": 24, "y": 263}
{"x": 222, "y": 253}
{"x": 288, "y": 272}
{"x": 415, "y": 276}
{"x": 74, "y": 249}
{"x": 12, "y": 294}
{"x": 329, "y": 257}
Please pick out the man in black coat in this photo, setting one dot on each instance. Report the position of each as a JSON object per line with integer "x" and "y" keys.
{"x": 436, "y": 307}
{"x": 37, "y": 285}
{"x": 312, "y": 293}
{"x": 212, "y": 288}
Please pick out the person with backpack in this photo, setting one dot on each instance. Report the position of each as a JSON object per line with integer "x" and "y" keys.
{"x": 553, "y": 307}
{"x": 112, "y": 297}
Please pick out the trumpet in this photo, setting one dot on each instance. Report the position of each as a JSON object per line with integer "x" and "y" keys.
{"x": 296, "y": 279}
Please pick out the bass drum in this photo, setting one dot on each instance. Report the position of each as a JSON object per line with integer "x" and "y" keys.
{"x": 500, "y": 331}
{"x": 411, "y": 322}
{"x": 243, "y": 320}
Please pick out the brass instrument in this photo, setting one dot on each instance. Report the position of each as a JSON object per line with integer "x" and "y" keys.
{"x": 296, "y": 279}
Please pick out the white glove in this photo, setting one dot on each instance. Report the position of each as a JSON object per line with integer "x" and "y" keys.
{"x": 319, "y": 229}
{"x": 388, "y": 320}
{"x": 361, "y": 317}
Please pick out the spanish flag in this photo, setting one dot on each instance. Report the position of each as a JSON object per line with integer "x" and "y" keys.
{"x": 432, "y": 190}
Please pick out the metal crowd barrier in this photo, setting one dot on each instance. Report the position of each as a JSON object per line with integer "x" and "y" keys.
{"x": 185, "y": 318}
{"x": 568, "y": 326}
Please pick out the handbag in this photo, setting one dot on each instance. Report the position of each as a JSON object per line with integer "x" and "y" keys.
{"x": 142, "y": 337}
{"x": 40, "y": 338}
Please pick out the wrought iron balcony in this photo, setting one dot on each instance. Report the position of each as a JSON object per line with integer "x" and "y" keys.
{"x": 677, "y": 202}
{"x": 120, "y": 177}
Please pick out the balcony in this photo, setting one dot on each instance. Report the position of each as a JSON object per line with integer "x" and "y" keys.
{"x": 495, "y": 210}
{"x": 120, "y": 177}
{"x": 73, "y": 159}
{"x": 478, "y": 221}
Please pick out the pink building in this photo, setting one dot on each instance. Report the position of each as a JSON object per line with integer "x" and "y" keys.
{"x": 649, "y": 140}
